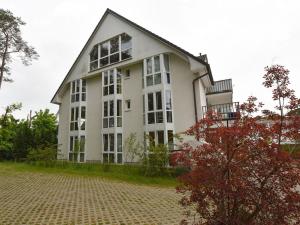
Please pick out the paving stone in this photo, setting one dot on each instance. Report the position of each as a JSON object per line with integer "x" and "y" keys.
{"x": 40, "y": 198}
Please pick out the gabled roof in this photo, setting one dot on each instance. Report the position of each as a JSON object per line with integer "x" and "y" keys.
{"x": 109, "y": 11}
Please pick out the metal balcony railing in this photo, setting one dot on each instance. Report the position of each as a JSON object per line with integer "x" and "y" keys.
{"x": 220, "y": 87}
{"x": 228, "y": 111}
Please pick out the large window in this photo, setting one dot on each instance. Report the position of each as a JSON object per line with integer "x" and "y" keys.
{"x": 108, "y": 148}
{"x": 111, "y": 51}
{"x": 78, "y": 118}
{"x": 78, "y": 87}
{"x": 76, "y": 148}
{"x": 153, "y": 71}
{"x": 155, "y": 110}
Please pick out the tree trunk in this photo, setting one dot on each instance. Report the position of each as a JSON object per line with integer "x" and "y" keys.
{"x": 3, "y": 61}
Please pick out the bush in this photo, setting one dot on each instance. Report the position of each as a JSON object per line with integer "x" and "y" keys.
{"x": 42, "y": 154}
{"x": 156, "y": 160}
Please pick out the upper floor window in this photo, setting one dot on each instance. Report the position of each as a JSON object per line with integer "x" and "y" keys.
{"x": 78, "y": 115}
{"x": 153, "y": 71}
{"x": 154, "y": 106}
{"x": 112, "y": 78}
{"x": 78, "y": 90}
{"x": 111, "y": 51}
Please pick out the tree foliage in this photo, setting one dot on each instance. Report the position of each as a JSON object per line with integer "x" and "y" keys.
{"x": 242, "y": 174}
{"x": 18, "y": 137}
{"x": 11, "y": 42}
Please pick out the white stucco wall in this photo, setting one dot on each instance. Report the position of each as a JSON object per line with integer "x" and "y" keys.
{"x": 181, "y": 80}
{"x": 93, "y": 121}
{"x": 63, "y": 125}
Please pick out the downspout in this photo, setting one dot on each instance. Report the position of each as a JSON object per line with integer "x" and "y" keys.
{"x": 194, "y": 92}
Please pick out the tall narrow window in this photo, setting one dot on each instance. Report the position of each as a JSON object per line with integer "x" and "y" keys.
{"x": 108, "y": 114}
{"x": 82, "y": 115}
{"x": 119, "y": 82}
{"x": 170, "y": 140}
{"x": 119, "y": 113}
{"x": 151, "y": 114}
{"x": 153, "y": 71}
{"x": 83, "y": 90}
{"x": 160, "y": 137}
{"x": 111, "y": 82}
{"x": 126, "y": 46}
{"x": 74, "y": 118}
{"x": 119, "y": 148}
{"x": 82, "y": 148}
{"x": 75, "y": 91}
{"x": 94, "y": 58}
{"x": 152, "y": 137}
{"x": 169, "y": 106}
{"x": 108, "y": 82}
{"x": 111, "y": 113}
{"x": 167, "y": 68}
{"x": 155, "y": 110}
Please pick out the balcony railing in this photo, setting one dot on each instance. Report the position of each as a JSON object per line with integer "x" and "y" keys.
{"x": 228, "y": 111}
{"x": 220, "y": 87}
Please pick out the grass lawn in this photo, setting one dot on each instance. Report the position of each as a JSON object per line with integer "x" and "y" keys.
{"x": 126, "y": 173}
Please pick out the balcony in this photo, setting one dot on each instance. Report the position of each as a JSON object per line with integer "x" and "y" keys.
{"x": 228, "y": 111}
{"x": 220, "y": 86}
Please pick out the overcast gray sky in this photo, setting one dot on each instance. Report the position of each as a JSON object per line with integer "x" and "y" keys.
{"x": 239, "y": 37}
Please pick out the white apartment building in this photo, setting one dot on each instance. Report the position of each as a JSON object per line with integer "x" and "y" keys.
{"x": 129, "y": 80}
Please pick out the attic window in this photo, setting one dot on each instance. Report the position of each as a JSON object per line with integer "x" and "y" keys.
{"x": 114, "y": 50}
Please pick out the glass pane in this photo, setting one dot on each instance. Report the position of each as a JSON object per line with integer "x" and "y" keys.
{"x": 114, "y": 45}
{"x": 157, "y": 78}
{"x": 82, "y": 127}
{"x": 156, "y": 64}
{"x": 82, "y": 112}
{"x": 105, "y": 123}
{"x": 166, "y": 62}
{"x": 105, "y": 142}
{"x": 77, "y": 85}
{"x": 70, "y": 156}
{"x": 111, "y": 122}
{"x": 119, "y": 142}
{"x": 160, "y": 137}
{"x": 126, "y": 54}
{"x": 105, "y": 92}
{"x": 119, "y": 159}
{"x": 169, "y": 117}
{"x": 111, "y": 142}
{"x": 105, "y": 109}
{"x": 170, "y": 136}
{"x": 83, "y": 97}
{"x": 168, "y": 78}
{"x": 168, "y": 100}
{"x": 94, "y": 65}
{"x": 158, "y": 100}
{"x": 114, "y": 58}
{"x": 72, "y": 114}
{"x": 111, "y": 158}
{"x": 152, "y": 137}
{"x": 104, "y": 61}
{"x": 126, "y": 41}
{"x": 111, "y": 108}
{"x": 149, "y": 80}
{"x": 73, "y": 98}
{"x": 119, "y": 107}
{"x": 83, "y": 86}
{"x": 150, "y": 102}
{"x": 111, "y": 89}
{"x": 76, "y": 125}
{"x": 119, "y": 121}
{"x": 149, "y": 65}
{"x": 94, "y": 53}
{"x": 105, "y": 78}
{"x": 77, "y": 98}
{"x": 73, "y": 86}
{"x": 76, "y": 113}
{"x": 159, "y": 117}
{"x": 82, "y": 143}
{"x": 71, "y": 143}
{"x": 151, "y": 119}
{"x": 111, "y": 76}
{"x": 81, "y": 159}
{"x": 105, "y": 158}
{"x": 104, "y": 49}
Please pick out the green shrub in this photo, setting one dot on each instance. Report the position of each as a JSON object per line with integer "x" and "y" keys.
{"x": 42, "y": 154}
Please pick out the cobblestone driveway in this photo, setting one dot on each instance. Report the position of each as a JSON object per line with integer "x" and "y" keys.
{"x": 39, "y": 198}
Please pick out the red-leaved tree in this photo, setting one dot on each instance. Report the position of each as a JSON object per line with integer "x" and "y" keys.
{"x": 243, "y": 174}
